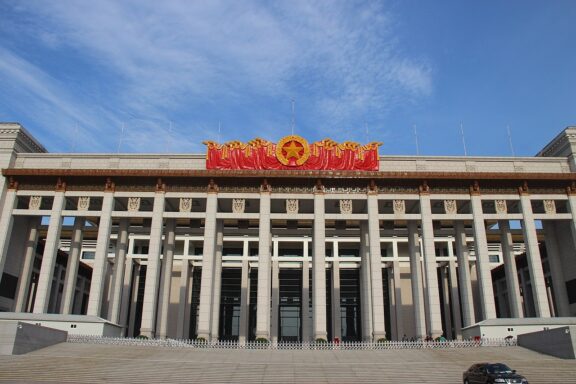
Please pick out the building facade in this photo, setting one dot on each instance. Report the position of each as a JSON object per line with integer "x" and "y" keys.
{"x": 311, "y": 245}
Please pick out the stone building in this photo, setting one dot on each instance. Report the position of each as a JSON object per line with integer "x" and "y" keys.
{"x": 290, "y": 241}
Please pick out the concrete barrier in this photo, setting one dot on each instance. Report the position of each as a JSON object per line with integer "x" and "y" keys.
{"x": 558, "y": 342}
{"x": 17, "y": 338}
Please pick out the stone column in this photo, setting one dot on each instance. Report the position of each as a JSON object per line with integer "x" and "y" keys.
{"x": 446, "y": 297}
{"x": 336, "y": 320}
{"x": 482, "y": 260}
{"x": 319, "y": 268}
{"x": 527, "y": 296}
{"x": 79, "y": 297}
{"x": 118, "y": 274}
{"x": 365, "y": 282}
{"x": 512, "y": 285}
{"x": 125, "y": 305}
{"x": 533, "y": 258}
{"x": 54, "y": 305}
{"x": 214, "y": 332}
{"x": 571, "y": 206}
{"x": 6, "y": 224}
{"x": 209, "y": 254}
{"x": 72, "y": 265}
{"x": 101, "y": 257}
{"x": 379, "y": 327}
{"x": 305, "y": 295}
{"x": 183, "y": 303}
{"x": 433, "y": 314}
{"x": 28, "y": 265}
{"x": 134, "y": 298}
{"x": 274, "y": 327}
{"x": 393, "y": 331}
{"x": 188, "y": 313}
{"x": 397, "y": 295}
{"x": 556, "y": 269}
{"x": 167, "y": 276}
{"x": 416, "y": 280}
{"x": 49, "y": 255}
{"x": 244, "y": 300}
{"x": 149, "y": 304}
{"x": 263, "y": 299}
{"x": 455, "y": 299}
{"x": 465, "y": 280}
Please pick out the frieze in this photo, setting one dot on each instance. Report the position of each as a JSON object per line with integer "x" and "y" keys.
{"x": 294, "y": 189}
{"x": 394, "y": 175}
{"x": 228, "y": 189}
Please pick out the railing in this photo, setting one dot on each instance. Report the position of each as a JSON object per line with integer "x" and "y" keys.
{"x": 350, "y": 345}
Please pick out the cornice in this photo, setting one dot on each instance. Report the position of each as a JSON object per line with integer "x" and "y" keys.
{"x": 175, "y": 173}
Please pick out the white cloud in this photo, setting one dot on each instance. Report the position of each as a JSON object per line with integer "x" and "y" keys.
{"x": 340, "y": 58}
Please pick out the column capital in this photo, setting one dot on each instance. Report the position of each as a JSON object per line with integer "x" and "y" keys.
{"x": 265, "y": 187}
{"x": 319, "y": 187}
{"x": 571, "y": 189}
{"x": 372, "y": 188}
{"x": 12, "y": 184}
{"x": 109, "y": 186}
{"x": 60, "y": 185}
{"x": 160, "y": 185}
{"x": 423, "y": 188}
{"x": 475, "y": 189}
{"x": 212, "y": 186}
{"x": 523, "y": 189}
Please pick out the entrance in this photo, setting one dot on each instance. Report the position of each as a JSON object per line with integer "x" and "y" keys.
{"x": 290, "y": 327}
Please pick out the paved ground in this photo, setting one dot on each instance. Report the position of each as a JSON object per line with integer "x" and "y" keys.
{"x": 86, "y": 363}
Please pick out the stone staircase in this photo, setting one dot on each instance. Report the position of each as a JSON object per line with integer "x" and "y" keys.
{"x": 90, "y": 363}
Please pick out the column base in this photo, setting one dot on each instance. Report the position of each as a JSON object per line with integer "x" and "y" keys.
{"x": 147, "y": 333}
{"x": 379, "y": 336}
{"x": 321, "y": 335}
{"x": 437, "y": 333}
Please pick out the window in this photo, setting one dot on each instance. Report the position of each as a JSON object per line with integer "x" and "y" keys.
{"x": 571, "y": 289}
{"x": 88, "y": 255}
{"x": 494, "y": 258}
{"x": 8, "y": 284}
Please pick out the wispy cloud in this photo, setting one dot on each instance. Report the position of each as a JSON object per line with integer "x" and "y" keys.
{"x": 195, "y": 63}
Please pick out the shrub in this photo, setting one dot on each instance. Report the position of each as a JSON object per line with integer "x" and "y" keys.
{"x": 200, "y": 340}
{"x": 382, "y": 340}
{"x": 262, "y": 340}
{"x": 142, "y": 337}
{"x": 321, "y": 340}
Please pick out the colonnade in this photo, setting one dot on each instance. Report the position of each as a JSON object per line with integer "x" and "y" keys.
{"x": 455, "y": 282}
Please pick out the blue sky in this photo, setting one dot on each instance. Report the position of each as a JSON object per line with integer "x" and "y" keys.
{"x": 75, "y": 72}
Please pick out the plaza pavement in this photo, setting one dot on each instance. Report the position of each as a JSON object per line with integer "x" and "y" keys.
{"x": 90, "y": 363}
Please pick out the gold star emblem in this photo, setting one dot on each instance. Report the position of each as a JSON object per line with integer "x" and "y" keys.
{"x": 292, "y": 150}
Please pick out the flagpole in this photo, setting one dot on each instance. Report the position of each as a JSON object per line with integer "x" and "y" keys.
{"x": 463, "y": 139}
